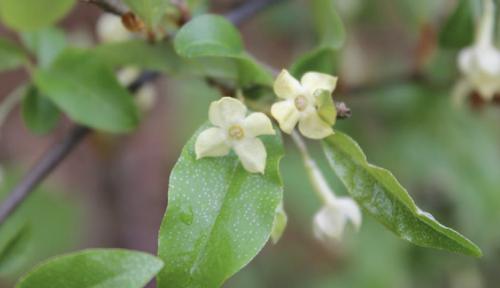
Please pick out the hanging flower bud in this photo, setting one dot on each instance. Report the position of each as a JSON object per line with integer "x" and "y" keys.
{"x": 480, "y": 63}
{"x": 330, "y": 221}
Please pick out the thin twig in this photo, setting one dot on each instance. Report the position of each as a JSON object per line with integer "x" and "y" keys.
{"x": 53, "y": 157}
{"x": 251, "y": 7}
{"x": 105, "y": 6}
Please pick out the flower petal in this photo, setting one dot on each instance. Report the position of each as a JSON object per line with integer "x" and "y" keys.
{"x": 286, "y": 114}
{"x": 350, "y": 209}
{"x": 226, "y": 111}
{"x": 465, "y": 60}
{"x": 211, "y": 143}
{"x": 328, "y": 224}
{"x": 313, "y": 81}
{"x": 252, "y": 154}
{"x": 287, "y": 87}
{"x": 258, "y": 124}
{"x": 312, "y": 126}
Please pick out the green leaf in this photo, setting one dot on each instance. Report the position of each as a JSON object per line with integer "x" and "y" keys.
{"x": 458, "y": 30}
{"x": 319, "y": 60}
{"x": 219, "y": 216}
{"x": 11, "y": 56}
{"x": 326, "y": 107}
{"x": 39, "y": 113}
{"x": 141, "y": 54}
{"x": 33, "y": 14}
{"x": 150, "y": 11}
{"x": 381, "y": 195}
{"x": 15, "y": 246}
{"x": 94, "y": 268}
{"x": 331, "y": 34}
{"x": 87, "y": 90}
{"x": 44, "y": 214}
{"x": 214, "y": 37}
{"x": 329, "y": 26}
{"x": 45, "y": 43}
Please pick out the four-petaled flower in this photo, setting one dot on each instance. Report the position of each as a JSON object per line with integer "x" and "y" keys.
{"x": 301, "y": 103}
{"x": 234, "y": 130}
{"x": 480, "y": 63}
{"x": 330, "y": 221}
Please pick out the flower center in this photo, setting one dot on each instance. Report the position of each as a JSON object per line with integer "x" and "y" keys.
{"x": 236, "y": 132}
{"x": 301, "y": 103}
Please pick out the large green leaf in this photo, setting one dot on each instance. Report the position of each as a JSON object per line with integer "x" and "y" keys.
{"x": 11, "y": 56}
{"x": 150, "y": 11}
{"x": 39, "y": 113}
{"x": 219, "y": 216}
{"x": 94, "y": 268}
{"x": 381, "y": 195}
{"x": 33, "y": 14}
{"x": 87, "y": 90}
{"x": 331, "y": 36}
{"x": 141, "y": 54}
{"x": 458, "y": 30}
{"x": 45, "y": 43}
{"x": 214, "y": 37}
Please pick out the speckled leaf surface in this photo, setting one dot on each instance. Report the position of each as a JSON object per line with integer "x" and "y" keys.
{"x": 94, "y": 268}
{"x": 218, "y": 218}
{"x": 381, "y": 195}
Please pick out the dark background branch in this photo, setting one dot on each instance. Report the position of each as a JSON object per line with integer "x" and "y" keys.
{"x": 54, "y": 156}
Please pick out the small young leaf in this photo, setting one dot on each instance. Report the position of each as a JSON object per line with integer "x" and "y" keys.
{"x": 381, "y": 195}
{"x": 458, "y": 30}
{"x": 45, "y": 43}
{"x": 94, "y": 268}
{"x": 87, "y": 90}
{"x": 11, "y": 56}
{"x": 213, "y": 37}
{"x": 39, "y": 113}
{"x": 219, "y": 216}
{"x": 25, "y": 15}
{"x": 150, "y": 11}
{"x": 326, "y": 107}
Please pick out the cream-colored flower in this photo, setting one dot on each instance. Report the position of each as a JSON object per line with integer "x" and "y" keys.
{"x": 111, "y": 29}
{"x": 300, "y": 104}
{"x": 480, "y": 63}
{"x": 234, "y": 130}
{"x": 330, "y": 221}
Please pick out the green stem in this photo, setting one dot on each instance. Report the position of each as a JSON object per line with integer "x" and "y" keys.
{"x": 317, "y": 179}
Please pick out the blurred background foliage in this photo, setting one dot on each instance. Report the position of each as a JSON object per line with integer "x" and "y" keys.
{"x": 448, "y": 157}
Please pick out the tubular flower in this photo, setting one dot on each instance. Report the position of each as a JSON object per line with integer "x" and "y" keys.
{"x": 302, "y": 102}
{"x": 234, "y": 130}
{"x": 330, "y": 221}
{"x": 480, "y": 63}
